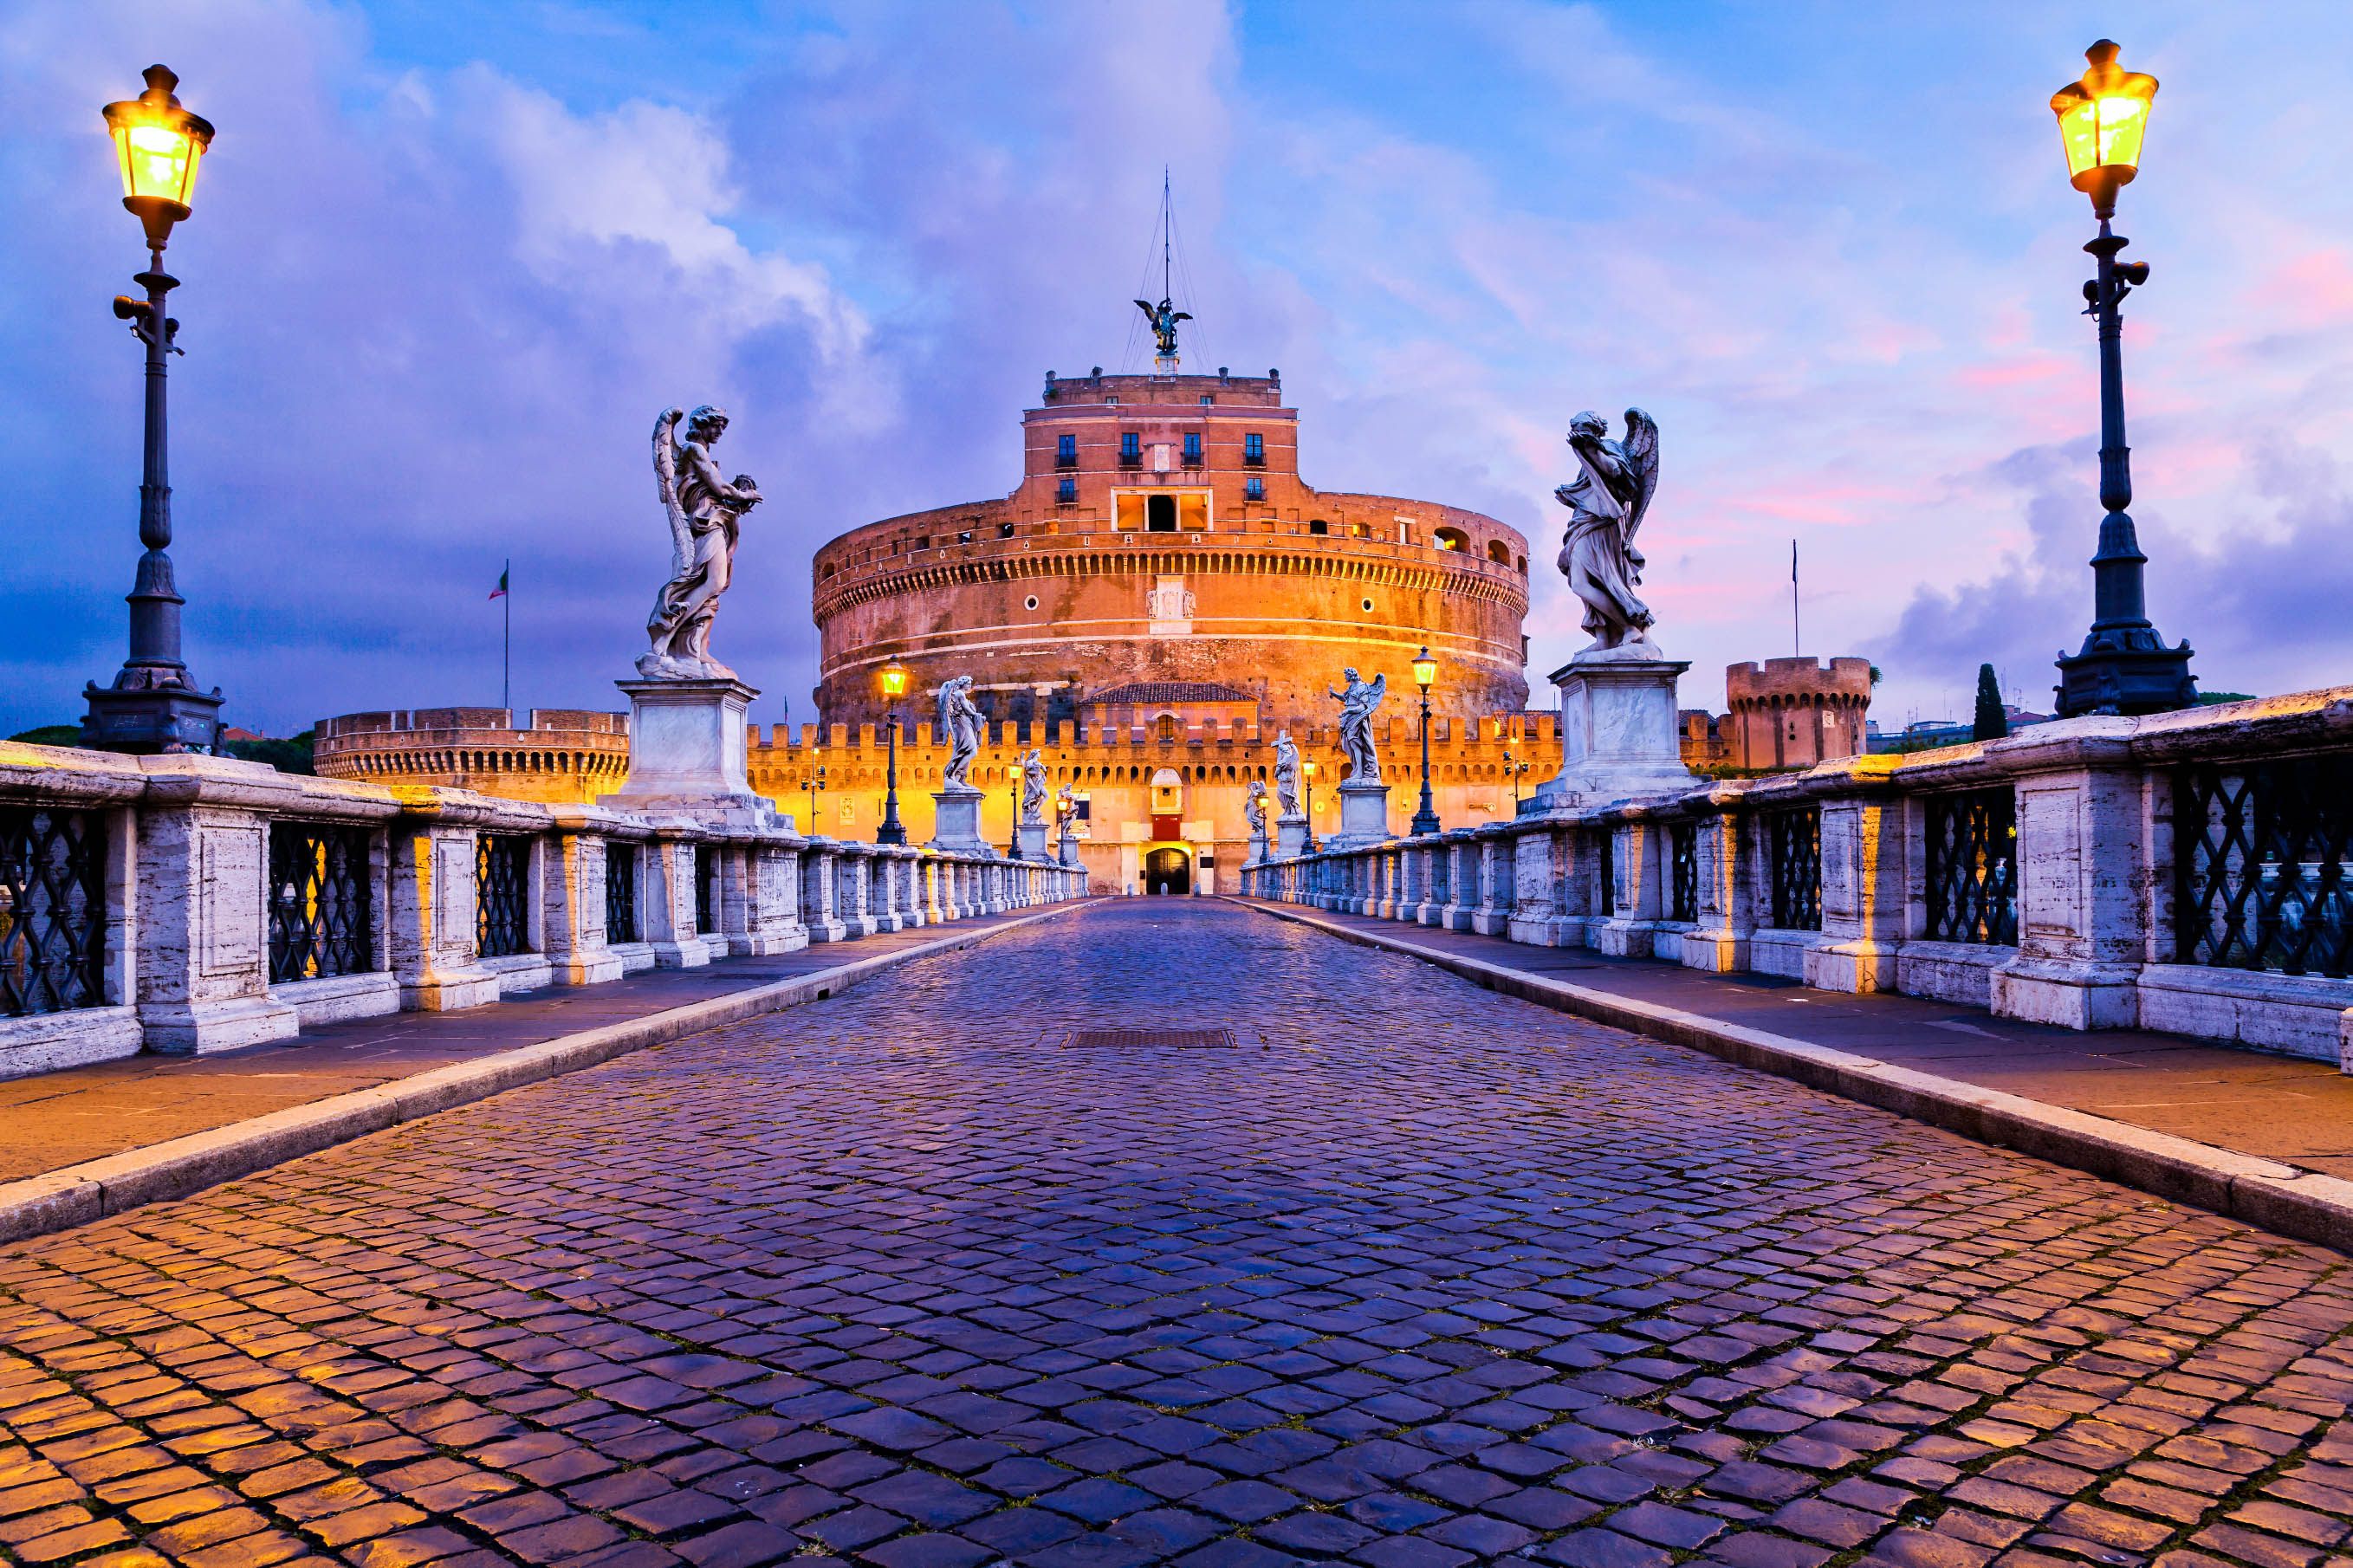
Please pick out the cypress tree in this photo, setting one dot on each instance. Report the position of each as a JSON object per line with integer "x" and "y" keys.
{"x": 1992, "y": 724}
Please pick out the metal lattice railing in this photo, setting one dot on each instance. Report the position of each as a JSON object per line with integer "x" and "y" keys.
{"x": 2263, "y": 865}
{"x": 52, "y": 910}
{"x": 1793, "y": 845}
{"x": 1973, "y": 868}
{"x": 318, "y": 903}
{"x": 621, "y": 892}
{"x": 706, "y": 889}
{"x": 1683, "y": 852}
{"x": 1605, "y": 861}
{"x": 501, "y": 909}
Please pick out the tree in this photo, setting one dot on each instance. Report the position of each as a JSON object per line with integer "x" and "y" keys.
{"x": 1992, "y": 723}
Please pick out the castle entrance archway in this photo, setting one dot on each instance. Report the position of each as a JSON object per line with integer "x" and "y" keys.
{"x": 1160, "y": 514}
{"x": 1168, "y": 870}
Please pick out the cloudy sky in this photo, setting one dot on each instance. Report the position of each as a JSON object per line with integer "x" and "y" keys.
{"x": 448, "y": 259}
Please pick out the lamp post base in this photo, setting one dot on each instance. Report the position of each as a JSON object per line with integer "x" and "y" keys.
{"x": 2127, "y": 670}
{"x": 150, "y": 710}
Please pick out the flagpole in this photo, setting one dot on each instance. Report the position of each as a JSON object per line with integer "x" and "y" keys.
{"x": 506, "y": 642}
{"x": 1796, "y": 643}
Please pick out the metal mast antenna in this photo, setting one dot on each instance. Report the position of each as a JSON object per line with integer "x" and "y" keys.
{"x": 1164, "y": 232}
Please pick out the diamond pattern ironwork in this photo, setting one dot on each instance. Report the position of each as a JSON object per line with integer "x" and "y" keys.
{"x": 318, "y": 887}
{"x": 1605, "y": 861}
{"x": 52, "y": 910}
{"x": 1973, "y": 868}
{"x": 706, "y": 889}
{"x": 620, "y": 892}
{"x": 2261, "y": 877}
{"x": 501, "y": 908}
{"x": 1683, "y": 852}
{"x": 1793, "y": 842}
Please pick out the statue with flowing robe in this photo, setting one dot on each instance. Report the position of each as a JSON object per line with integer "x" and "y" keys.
{"x": 959, "y": 725}
{"x": 1606, "y": 504}
{"x": 702, "y": 508}
{"x": 1357, "y": 699}
{"x": 1033, "y": 787}
{"x": 1286, "y": 775}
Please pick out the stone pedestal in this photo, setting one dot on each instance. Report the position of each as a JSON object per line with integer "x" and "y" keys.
{"x": 1618, "y": 737}
{"x": 687, "y": 753}
{"x": 958, "y": 822}
{"x": 1068, "y": 848}
{"x": 1029, "y": 841}
{"x": 1364, "y": 815}
{"x": 1290, "y": 836}
{"x": 1257, "y": 847}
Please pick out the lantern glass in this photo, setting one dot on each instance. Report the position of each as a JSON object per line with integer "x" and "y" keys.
{"x": 2103, "y": 118}
{"x": 1425, "y": 670}
{"x": 894, "y": 680}
{"x": 157, "y": 159}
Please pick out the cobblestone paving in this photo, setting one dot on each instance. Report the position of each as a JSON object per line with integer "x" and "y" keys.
{"x": 1409, "y": 1275}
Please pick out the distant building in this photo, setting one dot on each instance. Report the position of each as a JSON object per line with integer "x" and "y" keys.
{"x": 1795, "y": 713}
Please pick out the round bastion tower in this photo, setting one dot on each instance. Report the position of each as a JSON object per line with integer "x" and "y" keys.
{"x": 1161, "y": 534}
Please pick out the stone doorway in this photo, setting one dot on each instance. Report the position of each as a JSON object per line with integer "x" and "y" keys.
{"x": 1160, "y": 514}
{"x": 1168, "y": 872}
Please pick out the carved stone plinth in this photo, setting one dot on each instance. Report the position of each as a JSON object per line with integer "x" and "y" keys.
{"x": 1617, "y": 733}
{"x": 1364, "y": 816}
{"x": 1029, "y": 841}
{"x": 1067, "y": 847}
{"x": 1290, "y": 836}
{"x": 1257, "y": 847}
{"x": 687, "y": 754}
{"x": 958, "y": 822}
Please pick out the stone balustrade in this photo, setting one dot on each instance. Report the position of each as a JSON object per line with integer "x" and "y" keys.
{"x": 2189, "y": 873}
{"x": 183, "y": 904}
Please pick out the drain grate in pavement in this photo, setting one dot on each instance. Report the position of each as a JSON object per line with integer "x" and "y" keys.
{"x": 1147, "y": 1039}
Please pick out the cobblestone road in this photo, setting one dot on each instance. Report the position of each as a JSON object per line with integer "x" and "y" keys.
{"x": 1409, "y": 1274}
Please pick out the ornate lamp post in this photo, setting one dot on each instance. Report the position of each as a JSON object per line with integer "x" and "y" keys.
{"x": 1307, "y": 799}
{"x": 815, "y": 783}
{"x": 894, "y": 685}
{"x": 1513, "y": 769}
{"x": 1425, "y": 673}
{"x": 2124, "y": 665}
{"x": 152, "y": 706}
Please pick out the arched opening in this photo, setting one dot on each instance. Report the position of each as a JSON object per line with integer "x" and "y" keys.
{"x": 1315, "y": 525}
{"x": 1452, "y": 539}
{"x": 1167, "y": 726}
{"x": 1160, "y": 514}
{"x": 1499, "y": 552}
{"x": 1168, "y": 872}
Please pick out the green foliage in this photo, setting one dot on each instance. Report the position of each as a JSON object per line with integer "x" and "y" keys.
{"x": 51, "y": 735}
{"x": 2205, "y": 698}
{"x": 1991, "y": 723}
{"x": 288, "y": 756}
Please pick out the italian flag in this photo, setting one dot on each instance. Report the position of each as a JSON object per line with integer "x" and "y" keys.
{"x": 501, "y": 591}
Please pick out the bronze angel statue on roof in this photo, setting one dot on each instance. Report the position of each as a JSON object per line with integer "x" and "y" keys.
{"x": 1163, "y": 322}
{"x": 702, "y": 508}
{"x": 1606, "y": 504}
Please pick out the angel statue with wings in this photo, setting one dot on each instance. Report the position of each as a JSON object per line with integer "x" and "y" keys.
{"x": 703, "y": 509}
{"x": 1033, "y": 787}
{"x": 959, "y": 721}
{"x": 1358, "y": 701}
{"x": 1163, "y": 322}
{"x": 1286, "y": 776}
{"x": 1606, "y": 504}
{"x": 1254, "y": 809}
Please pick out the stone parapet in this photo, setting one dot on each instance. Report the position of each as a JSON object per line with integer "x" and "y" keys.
{"x": 2168, "y": 872}
{"x": 561, "y": 755}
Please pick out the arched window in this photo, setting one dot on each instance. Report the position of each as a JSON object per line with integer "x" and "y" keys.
{"x": 1315, "y": 525}
{"x": 1452, "y": 539}
{"x": 1167, "y": 722}
{"x": 1499, "y": 552}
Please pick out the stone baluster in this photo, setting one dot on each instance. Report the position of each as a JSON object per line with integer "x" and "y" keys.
{"x": 820, "y": 878}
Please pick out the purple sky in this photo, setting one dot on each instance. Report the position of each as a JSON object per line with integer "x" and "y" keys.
{"x": 449, "y": 260}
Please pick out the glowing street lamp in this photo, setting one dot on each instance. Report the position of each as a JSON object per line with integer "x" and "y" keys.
{"x": 1307, "y": 786}
{"x": 894, "y": 685}
{"x": 2124, "y": 666}
{"x": 1425, "y": 675}
{"x": 152, "y": 706}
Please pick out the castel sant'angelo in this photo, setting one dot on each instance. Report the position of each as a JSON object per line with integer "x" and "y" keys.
{"x": 1159, "y": 596}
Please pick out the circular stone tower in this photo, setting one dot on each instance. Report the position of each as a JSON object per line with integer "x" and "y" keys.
{"x": 1161, "y": 532}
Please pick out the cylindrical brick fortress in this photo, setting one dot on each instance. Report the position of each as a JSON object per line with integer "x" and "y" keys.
{"x": 1161, "y": 532}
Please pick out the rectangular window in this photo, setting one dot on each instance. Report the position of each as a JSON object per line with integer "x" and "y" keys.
{"x": 318, "y": 903}
{"x": 1793, "y": 842}
{"x": 1066, "y": 451}
{"x": 1192, "y": 448}
{"x": 1004, "y": 530}
{"x": 1683, "y": 850}
{"x": 1973, "y": 868}
{"x": 1254, "y": 450}
{"x": 621, "y": 892}
{"x": 1066, "y": 492}
{"x": 52, "y": 910}
{"x": 1208, "y": 401}
{"x": 2263, "y": 865}
{"x": 1254, "y": 488}
{"x": 501, "y": 870}
{"x": 1131, "y": 449}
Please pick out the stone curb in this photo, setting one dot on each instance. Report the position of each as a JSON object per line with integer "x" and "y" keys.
{"x": 2300, "y": 1203}
{"x": 76, "y": 1195}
